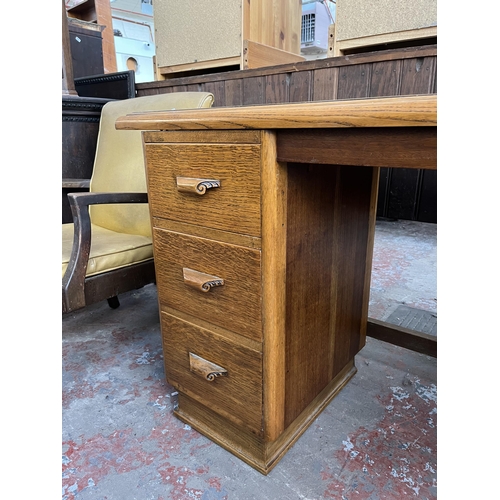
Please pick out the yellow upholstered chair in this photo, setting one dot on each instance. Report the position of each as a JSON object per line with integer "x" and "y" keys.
{"x": 107, "y": 250}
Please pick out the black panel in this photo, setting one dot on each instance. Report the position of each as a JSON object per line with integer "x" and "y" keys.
{"x": 427, "y": 206}
{"x": 86, "y": 51}
{"x": 383, "y": 192}
{"x": 119, "y": 85}
{"x": 403, "y": 193}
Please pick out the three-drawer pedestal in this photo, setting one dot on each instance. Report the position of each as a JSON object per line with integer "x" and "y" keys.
{"x": 249, "y": 256}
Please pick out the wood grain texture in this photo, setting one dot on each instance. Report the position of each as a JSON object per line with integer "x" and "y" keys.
{"x": 372, "y": 217}
{"x": 208, "y": 233}
{"x": 254, "y": 90}
{"x": 208, "y": 370}
{"x": 403, "y": 337}
{"x": 205, "y": 136}
{"x": 273, "y": 22}
{"x": 310, "y": 238}
{"x": 226, "y": 77}
{"x": 385, "y": 78}
{"x": 259, "y": 454}
{"x": 325, "y": 84}
{"x": 300, "y": 86}
{"x": 277, "y": 89}
{"x": 236, "y": 396}
{"x": 235, "y": 306}
{"x": 258, "y": 55}
{"x": 274, "y": 228}
{"x": 409, "y": 147}
{"x": 407, "y": 111}
{"x": 234, "y": 206}
{"x": 418, "y": 75}
{"x": 354, "y": 81}
{"x": 233, "y": 92}
{"x": 353, "y": 232}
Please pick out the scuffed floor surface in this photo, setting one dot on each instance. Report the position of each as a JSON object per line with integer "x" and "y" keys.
{"x": 376, "y": 439}
{"x": 404, "y": 267}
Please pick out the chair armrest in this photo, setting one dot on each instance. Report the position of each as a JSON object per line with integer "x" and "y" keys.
{"x": 73, "y": 283}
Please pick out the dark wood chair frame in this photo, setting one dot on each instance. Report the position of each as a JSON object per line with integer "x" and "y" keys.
{"x": 79, "y": 291}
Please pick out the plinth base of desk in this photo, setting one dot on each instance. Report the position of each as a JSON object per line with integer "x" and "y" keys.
{"x": 252, "y": 449}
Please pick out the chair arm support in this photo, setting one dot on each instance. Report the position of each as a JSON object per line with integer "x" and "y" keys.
{"x": 73, "y": 283}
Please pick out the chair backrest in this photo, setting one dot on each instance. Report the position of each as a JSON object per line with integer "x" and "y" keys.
{"x": 119, "y": 160}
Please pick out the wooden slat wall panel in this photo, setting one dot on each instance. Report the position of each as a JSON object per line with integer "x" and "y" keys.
{"x": 325, "y": 84}
{"x": 218, "y": 89}
{"x": 277, "y": 87}
{"x": 354, "y": 81}
{"x": 233, "y": 92}
{"x": 385, "y": 78}
{"x": 254, "y": 90}
{"x": 322, "y": 71}
{"x": 418, "y": 76}
{"x": 300, "y": 86}
{"x": 179, "y": 88}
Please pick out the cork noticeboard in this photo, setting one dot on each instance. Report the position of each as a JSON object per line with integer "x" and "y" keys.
{"x": 358, "y": 18}
{"x": 197, "y": 30}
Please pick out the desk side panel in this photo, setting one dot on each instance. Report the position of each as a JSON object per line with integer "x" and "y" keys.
{"x": 310, "y": 239}
{"x": 330, "y": 214}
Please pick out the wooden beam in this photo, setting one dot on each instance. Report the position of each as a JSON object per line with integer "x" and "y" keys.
{"x": 415, "y": 147}
{"x": 104, "y": 18}
{"x": 403, "y": 337}
{"x": 258, "y": 55}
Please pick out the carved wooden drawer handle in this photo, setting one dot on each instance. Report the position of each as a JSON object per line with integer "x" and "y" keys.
{"x": 201, "y": 281}
{"x": 198, "y": 186}
{"x": 206, "y": 369}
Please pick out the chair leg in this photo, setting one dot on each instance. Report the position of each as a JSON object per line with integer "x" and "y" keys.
{"x": 113, "y": 302}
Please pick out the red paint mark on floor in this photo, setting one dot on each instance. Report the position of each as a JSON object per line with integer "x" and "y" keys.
{"x": 397, "y": 458}
{"x": 88, "y": 463}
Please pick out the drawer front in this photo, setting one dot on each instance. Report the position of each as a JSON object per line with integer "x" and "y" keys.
{"x": 216, "y": 371}
{"x": 231, "y": 197}
{"x": 217, "y": 282}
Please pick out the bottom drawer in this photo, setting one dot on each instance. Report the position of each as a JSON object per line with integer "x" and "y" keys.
{"x": 218, "y": 372}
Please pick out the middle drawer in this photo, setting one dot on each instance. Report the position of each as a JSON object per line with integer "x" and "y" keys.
{"x": 210, "y": 185}
{"x": 231, "y": 297}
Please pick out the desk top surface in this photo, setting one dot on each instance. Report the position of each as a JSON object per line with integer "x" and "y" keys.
{"x": 401, "y": 111}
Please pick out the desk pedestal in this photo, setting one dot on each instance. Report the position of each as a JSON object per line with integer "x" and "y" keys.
{"x": 263, "y": 273}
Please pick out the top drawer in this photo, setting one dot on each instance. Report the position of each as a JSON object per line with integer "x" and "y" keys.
{"x": 233, "y": 206}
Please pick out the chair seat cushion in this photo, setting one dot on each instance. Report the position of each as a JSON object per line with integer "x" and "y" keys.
{"x": 109, "y": 250}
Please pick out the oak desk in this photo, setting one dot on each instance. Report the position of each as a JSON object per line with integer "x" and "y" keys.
{"x": 263, "y": 224}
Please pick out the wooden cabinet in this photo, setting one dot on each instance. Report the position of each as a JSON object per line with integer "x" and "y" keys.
{"x": 90, "y": 15}
{"x": 193, "y": 35}
{"x": 235, "y": 268}
{"x": 263, "y": 222}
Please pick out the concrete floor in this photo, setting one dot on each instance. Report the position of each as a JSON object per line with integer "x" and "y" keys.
{"x": 375, "y": 440}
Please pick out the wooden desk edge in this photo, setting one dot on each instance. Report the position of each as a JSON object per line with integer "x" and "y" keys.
{"x": 400, "y": 111}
